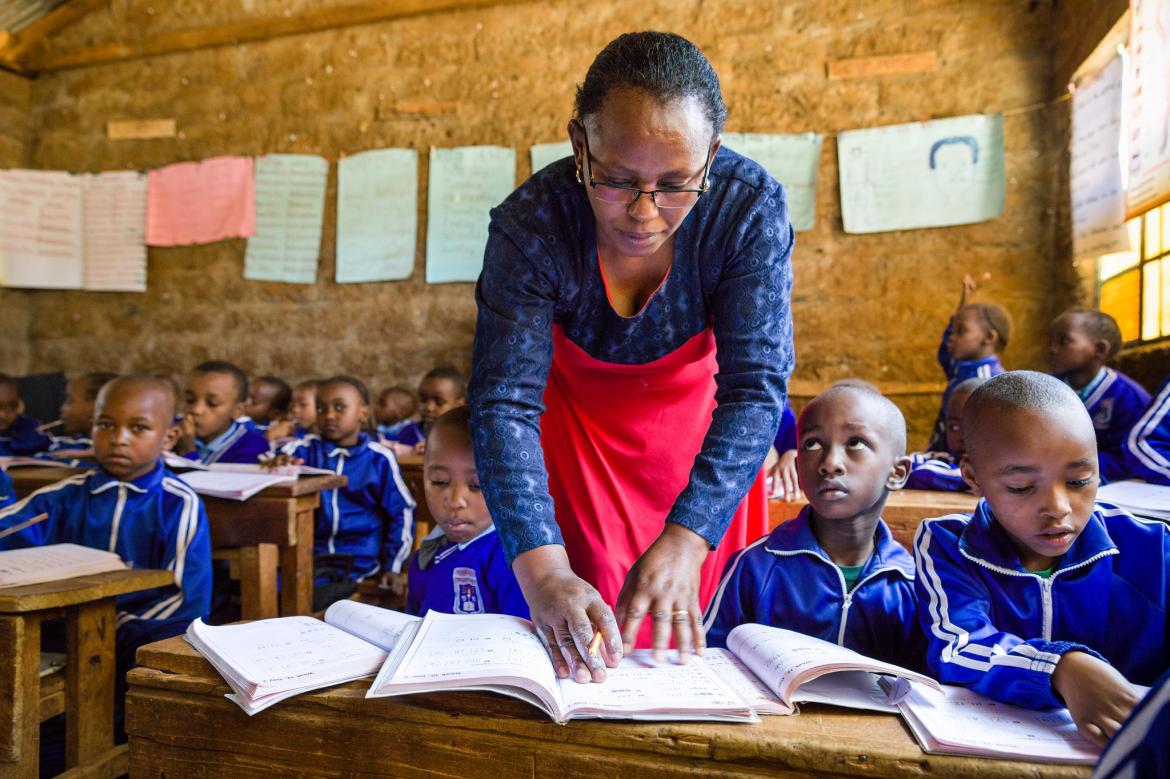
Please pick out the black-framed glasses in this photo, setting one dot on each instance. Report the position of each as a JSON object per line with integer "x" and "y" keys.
{"x": 625, "y": 195}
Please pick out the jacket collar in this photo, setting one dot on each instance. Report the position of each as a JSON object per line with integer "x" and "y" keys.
{"x": 220, "y": 442}
{"x": 333, "y": 450}
{"x": 796, "y": 535}
{"x": 100, "y": 480}
{"x": 985, "y": 541}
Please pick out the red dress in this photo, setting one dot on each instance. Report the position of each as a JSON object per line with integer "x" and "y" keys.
{"x": 619, "y": 442}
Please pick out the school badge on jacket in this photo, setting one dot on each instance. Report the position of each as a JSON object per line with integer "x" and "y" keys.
{"x": 467, "y": 596}
{"x": 1103, "y": 414}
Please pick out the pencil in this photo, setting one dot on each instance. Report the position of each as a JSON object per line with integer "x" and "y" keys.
{"x": 23, "y": 525}
{"x": 595, "y": 644}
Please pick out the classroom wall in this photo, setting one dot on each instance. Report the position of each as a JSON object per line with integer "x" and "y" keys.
{"x": 14, "y": 139}
{"x": 870, "y": 306}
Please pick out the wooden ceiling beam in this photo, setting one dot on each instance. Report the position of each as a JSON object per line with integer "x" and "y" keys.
{"x": 248, "y": 30}
{"x": 17, "y": 48}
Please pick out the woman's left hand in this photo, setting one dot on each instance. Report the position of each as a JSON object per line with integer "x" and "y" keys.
{"x": 664, "y": 584}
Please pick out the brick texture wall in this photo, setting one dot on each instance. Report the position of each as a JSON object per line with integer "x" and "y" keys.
{"x": 14, "y": 145}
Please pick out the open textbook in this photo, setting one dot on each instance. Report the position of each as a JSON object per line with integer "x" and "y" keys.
{"x": 270, "y": 660}
{"x": 1138, "y": 497}
{"x": 237, "y": 481}
{"x": 53, "y": 562}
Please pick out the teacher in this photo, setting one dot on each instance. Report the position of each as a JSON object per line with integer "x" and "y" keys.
{"x": 632, "y": 349}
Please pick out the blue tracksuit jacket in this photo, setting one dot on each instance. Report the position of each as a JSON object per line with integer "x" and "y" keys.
{"x": 1146, "y": 450}
{"x": 786, "y": 435}
{"x": 1116, "y": 403}
{"x": 22, "y": 439}
{"x": 1142, "y": 747}
{"x": 927, "y": 473}
{"x": 957, "y": 371}
{"x": 239, "y": 444}
{"x": 7, "y": 493}
{"x": 469, "y": 578}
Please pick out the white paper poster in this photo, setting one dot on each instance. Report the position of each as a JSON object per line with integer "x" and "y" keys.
{"x": 114, "y": 222}
{"x": 41, "y": 229}
{"x": 1148, "y": 134}
{"x": 1098, "y": 199}
{"x": 377, "y": 215}
{"x": 290, "y": 209}
{"x": 545, "y": 154}
{"x": 465, "y": 184}
{"x": 792, "y": 160}
{"x": 925, "y": 174}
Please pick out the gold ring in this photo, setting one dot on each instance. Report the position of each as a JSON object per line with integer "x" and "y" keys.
{"x": 681, "y": 614}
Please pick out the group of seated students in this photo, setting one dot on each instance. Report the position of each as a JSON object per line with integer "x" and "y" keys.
{"x": 1041, "y": 597}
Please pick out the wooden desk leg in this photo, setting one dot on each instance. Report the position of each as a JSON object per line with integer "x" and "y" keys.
{"x": 296, "y": 568}
{"x": 89, "y": 682}
{"x": 20, "y": 695}
{"x": 258, "y": 581}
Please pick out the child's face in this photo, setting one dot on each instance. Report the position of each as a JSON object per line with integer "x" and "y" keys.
{"x": 390, "y": 410}
{"x": 213, "y": 402}
{"x": 844, "y": 459}
{"x": 11, "y": 406}
{"x": 954, "y": 419}
{"x": 1038, "y": 472}
{"x": 436, "y": 397}
{"x": 132, "y": 428}
{"x": 304, "y": 406}
{"x": 77, "y": 409}
{"x": 341, "y": 413}
{"x": 1071, "y": 348}
{"x": 259, "y": 403}
{"x": 970, "y": 339}
{"x": 452, "y": 487}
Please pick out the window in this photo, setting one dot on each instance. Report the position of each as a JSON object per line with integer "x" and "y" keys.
{"x": 1134, "y": 287}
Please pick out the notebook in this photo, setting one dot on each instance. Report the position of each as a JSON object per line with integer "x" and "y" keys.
{"x": 53, "y": 562}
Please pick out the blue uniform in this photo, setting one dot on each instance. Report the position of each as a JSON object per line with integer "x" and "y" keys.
{"x": 22, "y": 439}
{"x": 1142, "y": 747}
{"x": 957, "y": 371}
{"x": 1146, "y": 450}
{"x": 928, "y": 473}
{"x": 7, "y": 493}
{"x": 64, "y": 444}
{"x": 1115, "y": 402}
{"x": 469, "y": 578}
{"x": 786, "y": 435}
{"x": 1001, "y": 630}
{"x": 786, "y": 580}
{"x": 404, "y": 432}
{"x": 155, "y": 521}
{"x": 372, "y": 517}
{"x": 237, "y": 444}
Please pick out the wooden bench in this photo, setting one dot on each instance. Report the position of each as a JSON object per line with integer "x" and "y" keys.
{"x": 411, "y": 466}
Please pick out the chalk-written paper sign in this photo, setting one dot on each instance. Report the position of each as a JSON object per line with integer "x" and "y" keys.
{"x": 41, "y": 229}
{"x": 200, "y": 202}
{"x": 465, "y": 184}
{"x": 926, "y": 174}
{"x": 377, "y": 215}
{"x": 1098, "y": 197}
{"x": 114, "y": 208}
{"x": 290, "y": 209}
{"x": 545, "y": 154}
{"x": 1148, "y": 133}
{"x": 792, "y": 160}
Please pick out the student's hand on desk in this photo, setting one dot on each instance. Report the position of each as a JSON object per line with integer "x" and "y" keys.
{"x": 185, "y": 443}
{"x": 283, "y": 428}
{"x": 281, "y": 460}
{"x": 784, "y": 483}
{"x": 566, "y": 611}
{"x": 664, "y": 584}
{"x": 395, "y": 582}
{"x": 1098, "y": 697}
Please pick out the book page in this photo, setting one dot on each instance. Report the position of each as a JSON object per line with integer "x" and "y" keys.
{"x": 1137, "y": 497}
{"x": 38, "y": 564}
{"x": 732, "y": 672}
{"x": 238, "y": 486}
{"x": 381, "y": 627}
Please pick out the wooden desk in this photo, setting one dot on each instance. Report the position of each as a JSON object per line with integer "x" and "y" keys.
{"x": 261, "y": 534}
{"x": 411, "y": 466}
{"x": 337, "y": 731}
{"x": 903, "y": 512}
{"x": 87, "y": 604}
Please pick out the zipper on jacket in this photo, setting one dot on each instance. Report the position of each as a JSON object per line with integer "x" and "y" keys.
{"x": 117, "y": 521}
{"x": 336, "y": 508}
{"x": 1046, "y": 605}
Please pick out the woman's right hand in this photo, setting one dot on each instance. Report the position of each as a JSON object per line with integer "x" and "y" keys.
{"x": 567, "y": 611}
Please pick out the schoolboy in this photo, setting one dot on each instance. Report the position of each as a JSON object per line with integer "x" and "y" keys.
{"x": 460, "y": 568}
{"x": 393, "y": 413}
{"x": 441, "y": 390}
{"x": 1041, "y": 598}
{"x": 210, "y": 431}
{"x": 1146, "y": 449}
{"x": 268, "y": 400}
{"x": 940, "y": 471}
{"x": 19, "y": 435}
{"x": 1081, "y": 341}
{"x": 301, "y": 419}
{"x": 834, "y": 572}
{"x": 77, "y": 415}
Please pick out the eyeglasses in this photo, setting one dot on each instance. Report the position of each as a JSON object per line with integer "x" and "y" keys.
{"x": 626, "y": 195}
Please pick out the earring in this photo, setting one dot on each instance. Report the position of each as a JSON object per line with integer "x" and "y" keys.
{"x": 579, "y": 181}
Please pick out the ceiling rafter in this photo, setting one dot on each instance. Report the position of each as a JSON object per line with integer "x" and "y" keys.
{"x": 17, "y": 48}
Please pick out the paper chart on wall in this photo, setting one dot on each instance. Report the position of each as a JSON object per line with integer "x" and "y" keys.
{"x": 290, "y": 209}
{"x": 114, "y": 208}
{"x": 545, "y": 154}
{"x": 200, "y": 202}
{"x": 1148, "y": 133}
{"x": 465, "y": 184}
{"x": 1095, "y": 186}
{"x": 41, "y": 229}
{"x": 925, "y": 174}
{"x": 377, "y": 215}
{"x": 792, "y": 160}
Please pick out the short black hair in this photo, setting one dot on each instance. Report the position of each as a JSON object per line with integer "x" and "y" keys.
{"x": 997, "y": 321}
{"x": 891, "y": 420}
{"x": 94, "y": 381}
{"x": 403, "y": 393}
{"x": 1100, "y": 326}
{"x": 163, "y": 384}
{"x": 967, "y": 386}
{"x": 452, "y": 374}
{"x": 10, "y": 381}
{"x": 283, "y": 396}
{"x": 1023, "y": 391}
{"x": 457, "y": 419}
{"x": 352, "y": 381}
{"x": 663, "y": 64}
{"x": 233, "y": 370}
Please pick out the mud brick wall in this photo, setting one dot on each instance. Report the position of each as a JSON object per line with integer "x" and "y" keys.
{"x": 14, "y": 148}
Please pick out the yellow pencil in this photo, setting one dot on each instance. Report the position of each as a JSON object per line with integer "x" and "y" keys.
{"x": 23, "y": 525}
{"x": 595, "y": 644}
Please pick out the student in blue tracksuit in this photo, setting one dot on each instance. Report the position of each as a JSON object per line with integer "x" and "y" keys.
{"x": 785, "y": 483}
{"x": 834, "y": 572}
{"x": 1147, "y": 448}
{"x": 395, "y": 407}
{"x": 7, "y": 493}
{"x": 209, "y": 431}
{"x": 371, "y": 519}
{"x": 1042, "y": 598}
{"x": 940, "y": 471}
{"x": 1081, "y": 342}
{"x": 268, "y": 401}
{"x": 1142, "y": 747}
{"x": 74, "y": 432}
{"x": 132, "y": 505}
{"x": 460, "y": 567}
{"x": 18, "y": 432}
{"x": 970, "y": 348}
